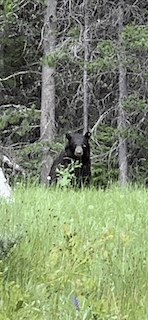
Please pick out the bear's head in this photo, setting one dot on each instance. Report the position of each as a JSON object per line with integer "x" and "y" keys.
{"x": 78, "y": 144}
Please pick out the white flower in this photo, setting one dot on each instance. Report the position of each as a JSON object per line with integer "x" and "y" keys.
{"x": 90, "y": 207}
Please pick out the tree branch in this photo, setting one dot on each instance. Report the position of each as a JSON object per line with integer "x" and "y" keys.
{"x": 12, "y": 164}
{"x": 100, "y": 119}
{"x": 17, "y": 74}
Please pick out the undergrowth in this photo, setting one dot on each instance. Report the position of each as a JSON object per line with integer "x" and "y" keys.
{"x": 81, "y": 255}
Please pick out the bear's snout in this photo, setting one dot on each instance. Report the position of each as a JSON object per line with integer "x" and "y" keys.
{"x": 78, "y": 151}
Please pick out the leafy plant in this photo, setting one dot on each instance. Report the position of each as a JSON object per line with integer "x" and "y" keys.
{"x": 67, "y": 176}
{"x": 135, "y": 36}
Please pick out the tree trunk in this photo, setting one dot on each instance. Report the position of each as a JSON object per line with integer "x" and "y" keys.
{"x": 1, "y": 65}
{"x": 85, "y": 109}
{"x": 47, "y": 127}
{"x": 122, "y": 96}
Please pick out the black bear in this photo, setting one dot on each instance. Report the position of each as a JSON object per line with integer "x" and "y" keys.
{"x": 76, "y": 154}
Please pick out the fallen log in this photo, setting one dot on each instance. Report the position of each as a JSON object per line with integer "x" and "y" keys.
{"x": 5, "y": 189}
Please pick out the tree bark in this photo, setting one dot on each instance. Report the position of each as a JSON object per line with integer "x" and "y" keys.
{"x": 1, "y": 64}
{"x": 85, "y": 80}
{"x": 122, "y": 95}
{"x": 47, "y": 127}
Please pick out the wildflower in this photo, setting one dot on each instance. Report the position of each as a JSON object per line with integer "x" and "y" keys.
{"x": 76, "y": 302}
{"x": 90, "y": 207}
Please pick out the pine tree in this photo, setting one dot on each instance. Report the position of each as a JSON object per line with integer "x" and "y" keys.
{"x": 48, "y": 84}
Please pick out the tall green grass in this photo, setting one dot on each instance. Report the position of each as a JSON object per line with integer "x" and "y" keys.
{"x": 88, "y": 244}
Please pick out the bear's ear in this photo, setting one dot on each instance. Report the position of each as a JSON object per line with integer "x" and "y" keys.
{"x": 68, "y": 135}
{"x": 87, "y": 134}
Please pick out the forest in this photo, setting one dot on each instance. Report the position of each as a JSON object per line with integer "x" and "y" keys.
{"x": 74, "y": 66}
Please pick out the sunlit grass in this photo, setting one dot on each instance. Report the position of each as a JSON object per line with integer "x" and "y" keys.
{"x": 90, "y": 244}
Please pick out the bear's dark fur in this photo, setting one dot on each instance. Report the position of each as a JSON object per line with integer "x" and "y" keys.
{"x": 77, "y": 151}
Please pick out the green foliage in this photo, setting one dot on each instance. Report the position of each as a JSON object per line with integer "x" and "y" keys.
{"x": 74, "y": 32}
{"x": 136, "y": 36}
{"x": 13, "y": 299}
{"x": 107, "y": 59}
{"x": 104, "y": 160}
{"x": 84, "y": 245}
{"x": 6, "y": 243}
{"x": 30, "y": 159}
{"x": 50, "y": 60}
{"x": 61, "y": 54}
{"x": 8, "y": 7}
{"x": 22, "y": 125}
{"x": 136, "y": 132}
{"x": 66, "y": 176}
{"x": 106, "y": 48}
{"x": 134, "y": 104}
{"x": 19, "y": 121}
{"x": 13, "y": 58}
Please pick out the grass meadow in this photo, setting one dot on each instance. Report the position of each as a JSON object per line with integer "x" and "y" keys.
{"x": 82, "y": 255}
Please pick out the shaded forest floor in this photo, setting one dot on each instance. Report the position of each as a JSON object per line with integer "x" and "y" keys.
{"x": 80, "y": 255}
